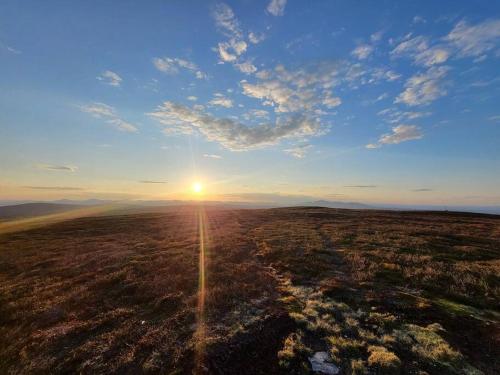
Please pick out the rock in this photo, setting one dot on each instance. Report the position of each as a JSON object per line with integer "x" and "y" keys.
{"x": 319, "y": 364}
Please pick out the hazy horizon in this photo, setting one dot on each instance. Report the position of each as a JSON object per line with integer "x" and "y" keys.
{"x": 256, "y": 101}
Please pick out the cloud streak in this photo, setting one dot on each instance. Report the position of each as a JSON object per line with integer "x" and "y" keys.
{"x": 400, "y": 133}
{"x": 298, "y": 152}
{"x": 173, "y": 66}
{"x": 57, "y": 168}
{"x": 424, "y": 88}
{"x": 109, "y": 115}
{"x": 212, "y": 156}
{"x": 110, "y": 78}
{"x": 56, "y": 188}
{"x": 276, "y": 7}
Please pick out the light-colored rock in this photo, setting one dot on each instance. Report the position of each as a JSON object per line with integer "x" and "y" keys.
{"x": 320, "y": 363}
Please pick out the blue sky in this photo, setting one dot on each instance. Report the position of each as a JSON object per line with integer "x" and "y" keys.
{"x": 387, "y": 101}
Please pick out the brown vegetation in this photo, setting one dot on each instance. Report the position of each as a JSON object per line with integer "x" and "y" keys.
{"x": 385, "y": 292}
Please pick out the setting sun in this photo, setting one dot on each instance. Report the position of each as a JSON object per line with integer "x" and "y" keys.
{"x": 197, "y": 187}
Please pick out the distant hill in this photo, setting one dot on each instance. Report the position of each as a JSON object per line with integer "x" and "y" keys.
{"x": 337, "y": 204}
{"x": 34, "y": 209}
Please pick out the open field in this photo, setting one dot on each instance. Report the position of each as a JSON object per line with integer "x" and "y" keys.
{"x": 224, "y": 291}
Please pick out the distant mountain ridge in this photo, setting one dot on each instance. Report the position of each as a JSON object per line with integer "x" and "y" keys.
{"x": 26, "y": 210}
{"x": 338, "y": 204}
{"x": 19, "y": 209}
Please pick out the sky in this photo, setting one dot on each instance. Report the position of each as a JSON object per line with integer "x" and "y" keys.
{"x": 368, "y": 101}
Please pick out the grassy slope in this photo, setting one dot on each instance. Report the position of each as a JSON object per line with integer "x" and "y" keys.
{"x": 119, "y": 293}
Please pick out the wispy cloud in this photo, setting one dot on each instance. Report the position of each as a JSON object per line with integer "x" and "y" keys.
{"x": 394, "y": 116}
{"x": 422, "y": 190}
{"x": 152, "y": 182}
{"x": 419, "y": 50}
{"x": 377, "y": 37}
{"x": 57, "y": 188}
{"x": 424, "y": 88}
{"x": 232, "y": 134}
{"x": 256, "y": 38}
{"x": 212, "y": 156}
{"x": 246, "y": 67}
{"x": 226, "y": 21}
{"x": 361, "y": 186}
{"x": 57, "y": 168}
{"x": 253, "y": 114}
{"x": 109, "y": 114}
{"x": 110, "y": 78}
{"x": 228, "y": 24}
{"x": 171, "y": 65}
{"x": 474, "y": 40}
{"x": 418, "y": 19}
{"x": 464, "y": 40}
{"x": 276, "y": 7}
{"x": 363, "y": 51}
{"x": 298, "y": 152}
{"x": 301, "y": 90}
{"x": 400, "y": 133}
{"x": 221, "y": 101}
{"x": 9, "y": 49}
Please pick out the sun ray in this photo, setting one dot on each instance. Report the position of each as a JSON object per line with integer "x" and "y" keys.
{"x": 200, "y": 334}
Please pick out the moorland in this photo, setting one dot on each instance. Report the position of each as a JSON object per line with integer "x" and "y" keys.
{"x": 239, "y": 291}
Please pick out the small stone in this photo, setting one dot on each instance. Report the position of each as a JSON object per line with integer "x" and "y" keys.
{"x": 320, "y": 363}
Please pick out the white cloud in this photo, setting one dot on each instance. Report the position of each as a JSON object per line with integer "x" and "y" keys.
{"x": 226, "y": 21}
{"x": 192, "y": 98}
{"x": 230, "y": 51}
{"x": 221, "y": 100}
{"x": 400, "y": 133}
{"x": 212, "y": 156}
{"x": 258, "y": 113}
{"x": 382, "y": 97}
{"x": 110, "y": 78}
{"x": 474, "y": 40}
{"x": 57, "y": 168}
{"x": 9, "y": 48}
{"x": 172, "y": 66}
{"x": 380, "y": 74}
{"x": 331, "y": 101}
{"x": 200, "y": 75}
{"x": 109, "y": 114}
{"x": 463, "y": 41}
{"x": 232, "y": 134}
{"x": 246, "y": 67}
{"x": 228, "y": 24}
{"x": 276, "y": 7}
{"x": 363, "y": 51}
{"x": 394, "y": 116}
{"x": 302, "y": 90}
{"x": 376, "y": 37}
{"x": 418, "y": 19}
{"x": 424, "y": 88}
{"x": 256, "y": 38}
{"x": 419, "y": 50}
{"x": 298, "y": 152}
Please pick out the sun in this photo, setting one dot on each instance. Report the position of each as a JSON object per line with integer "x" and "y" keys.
{"x": 197, "y": 187}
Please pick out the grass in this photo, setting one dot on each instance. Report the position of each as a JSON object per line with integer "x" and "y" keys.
{"x": 381, "y": 292}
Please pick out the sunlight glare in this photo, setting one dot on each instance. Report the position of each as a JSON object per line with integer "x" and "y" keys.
{"x": 197, "y": 187}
